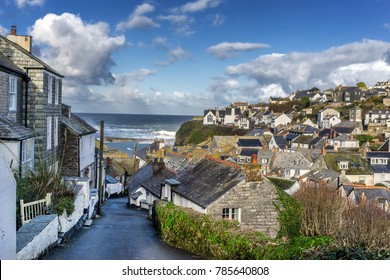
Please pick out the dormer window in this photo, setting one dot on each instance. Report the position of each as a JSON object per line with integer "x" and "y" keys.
{"x": 343, "y": 165}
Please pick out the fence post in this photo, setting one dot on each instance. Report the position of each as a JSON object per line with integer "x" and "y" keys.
{"x": 48, "y": 199}
{"x": 22, "y": 211}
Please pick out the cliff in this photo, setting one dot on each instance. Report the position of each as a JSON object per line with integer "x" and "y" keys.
{"x": 194, "y": 132}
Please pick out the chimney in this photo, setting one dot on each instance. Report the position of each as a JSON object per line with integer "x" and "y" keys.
{"x": 254, "y": 159}
{"x": 23, "y": 41}
{"x": 13, "y": 30}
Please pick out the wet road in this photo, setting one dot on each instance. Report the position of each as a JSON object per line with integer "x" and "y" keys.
{"x": 120, "y": 234}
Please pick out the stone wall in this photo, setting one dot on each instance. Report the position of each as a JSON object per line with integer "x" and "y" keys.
{"x": 256, "y": 203}
{"x": 70, "y": 156}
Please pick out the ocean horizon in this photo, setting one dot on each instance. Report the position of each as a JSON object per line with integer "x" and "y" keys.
{"x": 141, "y": 129}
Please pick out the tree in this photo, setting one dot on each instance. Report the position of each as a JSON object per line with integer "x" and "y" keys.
{"x": 361, "y": 85}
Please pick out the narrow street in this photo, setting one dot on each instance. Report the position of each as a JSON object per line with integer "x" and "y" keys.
{"x": 120, "y": 234}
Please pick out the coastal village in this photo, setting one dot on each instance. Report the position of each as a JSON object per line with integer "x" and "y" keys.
{"x": 338, "y": 138}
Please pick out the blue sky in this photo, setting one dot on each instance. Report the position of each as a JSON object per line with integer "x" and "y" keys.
{"x": 180, "y": 57}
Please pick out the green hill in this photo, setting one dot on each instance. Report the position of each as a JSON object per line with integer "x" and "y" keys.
{"x": 194, "y": 132}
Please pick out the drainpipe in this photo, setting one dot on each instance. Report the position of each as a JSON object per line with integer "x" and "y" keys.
{"x": 78, "y": 157}
{"x": 20, "y": 158}
{"x": 26, "y": 80}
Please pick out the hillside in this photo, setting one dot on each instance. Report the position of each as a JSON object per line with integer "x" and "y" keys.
{"x": 194, "y": 132}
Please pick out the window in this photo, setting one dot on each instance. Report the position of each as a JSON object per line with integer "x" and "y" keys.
{"x": 210, "y": 118}
{"x": 264, "y": 160}
{"x": 48, "y": 135}
{"x": 28, "y": 153}
{"x": 50, "y": 90}
{"x": 57, "y": 91}
{"x": 231, "y": 214}
{"x": 12, "y": 89}
{"x": 55, "y": 131}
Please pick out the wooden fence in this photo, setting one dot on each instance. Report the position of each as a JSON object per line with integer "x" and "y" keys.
{"x": 30, "y": 210}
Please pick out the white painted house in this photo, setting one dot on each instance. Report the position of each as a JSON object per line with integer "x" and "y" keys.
{"x": 7, "y": 212}
{"x": 282, "y": 119}
{"x": 325, "y": 115}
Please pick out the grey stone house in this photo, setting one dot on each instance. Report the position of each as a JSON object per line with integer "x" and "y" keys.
{"x": 17, "y": 141}
{"x": 39, "y": 99}
{"x": 77, "y": 140}
{"x": 219, "y": 189}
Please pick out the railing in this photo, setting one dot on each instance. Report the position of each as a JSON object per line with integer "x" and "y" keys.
{"x": 30, "y": 210}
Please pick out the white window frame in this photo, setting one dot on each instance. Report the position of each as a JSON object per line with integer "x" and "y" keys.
{"x": 28, "y": 154}
{"x": 231, "y": 214}
{"x": 50, "y": 90}
{"x": 13, "y": 93}
{"x": 55, "y": 131}
{"x": 48, "y": 133}
{"x": 57, "y": 91}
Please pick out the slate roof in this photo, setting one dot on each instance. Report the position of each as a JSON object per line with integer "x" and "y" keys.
{"x": 7, "y": 64}
{"x": 245, "y": 152}
{"x": 328, "y": 133}
{"x": 378, "y": 154}
{"x": 380, "y": 168}
{"x": 207, "y": 181}
{"x": 303, "y": 139}
{"x": 212, "y": 111}
{"x": 302, "y": 129}
{"x": 281, "y": 141}
{"x": 13, "y": 131}
{"x": 256, "y": 132}
{"x": 142, "y": 174}
{"x": 370, "y": 192}
{"x": 153, "y": 184}
{"x": 291, "y": 161}
{"x": 249, "y": 143}
{"x": 291, "y": 136}
{"x": 343, "y": 130}
{"x": 77, "y": 125}
{"x": 43, "y": 64}
{"x": 385, "y": 146}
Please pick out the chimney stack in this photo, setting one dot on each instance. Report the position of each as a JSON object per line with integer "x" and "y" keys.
{"x": 13, "y": 30}
{"x": 23, "y": 41}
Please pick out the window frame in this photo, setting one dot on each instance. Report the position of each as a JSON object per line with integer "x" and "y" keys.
{"x": 55, "y": 131}
{"x": 50, "y": 90}
{"x": 231, "y": 214}
{"x": 48, "y": 133}
{"x": 12, "y": 93}
{"x": 27, "y": 159}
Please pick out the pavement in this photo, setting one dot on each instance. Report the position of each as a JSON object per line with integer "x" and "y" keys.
{"x": 121, "y": 233}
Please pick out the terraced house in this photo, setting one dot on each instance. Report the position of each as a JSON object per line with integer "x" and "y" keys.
{"x": 35, "y": 96}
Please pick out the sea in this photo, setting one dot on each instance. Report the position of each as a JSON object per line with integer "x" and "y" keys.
{"x": 140, "y": 130}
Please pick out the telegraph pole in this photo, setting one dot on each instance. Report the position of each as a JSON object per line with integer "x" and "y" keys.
{"x": 101, "y": 164}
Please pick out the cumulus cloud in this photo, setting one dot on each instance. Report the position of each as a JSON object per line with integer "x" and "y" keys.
{"x": 280, "y": 74}
{"x": 175, "y": 55}
{"x": 358, "y": 61}
{"x": 80, "y": 51}
{"x": 138, "y": 20}
{"x": 23, "y": 3}
{"x": 225, "y": 50}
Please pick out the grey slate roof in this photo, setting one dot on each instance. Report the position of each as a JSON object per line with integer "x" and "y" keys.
{"x": 281, "y": 141}
{"x": 13, "y": 131}
{"x": 249, "y": 143}
{"x": 248, "y": 152}
{"x": 77, "y": 125}
{"x": 378, "y": 154}
{"x": 207, "y": 181}
{"x": 385, "y": 146}
{"x": 153, "y": 184}
{"x": 7, "y": 64}
{"x": 291, "y": 161}
{"x": 381, "y": 168}
{"x": 43, "y": 64}
{"x": 142, "y": 174}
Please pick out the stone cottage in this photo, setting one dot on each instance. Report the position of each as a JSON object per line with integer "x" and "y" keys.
{"x": 219, "y": 189}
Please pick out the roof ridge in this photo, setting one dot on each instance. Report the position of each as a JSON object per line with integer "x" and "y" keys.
{"x": 231, "y": 164}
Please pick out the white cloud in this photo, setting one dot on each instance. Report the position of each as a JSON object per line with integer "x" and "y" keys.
{"x": 175, "y": 55}
{"x": 199, "y": 5}
{"x": 280, "y": 74}
{"x": 3, "y": 30}
{"x": 360, "y": 61}
{"x": 225, "y": 50}
{"x": 138, "y": 20}
{"x": 160, "y": 42}
{"x": 80, "y": 51}
{"x": 23, "y": 3}
{"x": 219, "y": 20}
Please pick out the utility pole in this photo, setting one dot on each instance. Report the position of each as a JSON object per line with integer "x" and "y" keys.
{"x": 101, "y": 164}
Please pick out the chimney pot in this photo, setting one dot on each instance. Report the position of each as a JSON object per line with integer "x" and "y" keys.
{"x": 13, "y": 30}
